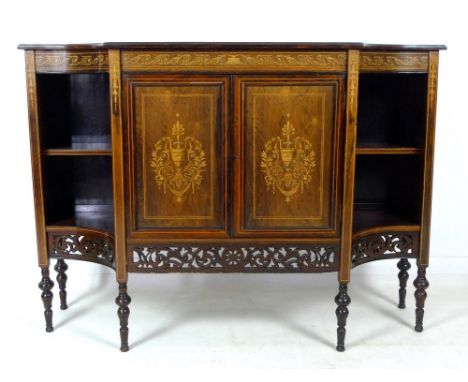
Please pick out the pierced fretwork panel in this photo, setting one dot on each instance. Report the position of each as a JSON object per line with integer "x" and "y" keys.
{"x": 385, "y": 246}
{"x": 233, "y": 259}
{"x": 94, "y": 248}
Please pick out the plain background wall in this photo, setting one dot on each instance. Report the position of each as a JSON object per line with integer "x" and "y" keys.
{"x": 400, "y": 22}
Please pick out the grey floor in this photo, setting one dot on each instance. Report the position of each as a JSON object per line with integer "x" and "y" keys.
{"x": 238, "y": 321}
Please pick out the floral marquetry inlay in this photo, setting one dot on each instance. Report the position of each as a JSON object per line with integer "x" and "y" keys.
{"x": 319, "y": 61}
{"x": 63, "y": 61}
{"x": 394, "y": 61}
{"x": 288, "y": 162}
{"x": 178, "y": 162}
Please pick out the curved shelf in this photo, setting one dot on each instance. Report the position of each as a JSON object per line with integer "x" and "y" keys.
{"x": 78, "y": 230}
{"x": 65, "y": 152}
{"x": 99, "y": 217}
{"x": 389, "y": 151}
{"x": 377, "y": 217}
{"x": 384, "y": 229}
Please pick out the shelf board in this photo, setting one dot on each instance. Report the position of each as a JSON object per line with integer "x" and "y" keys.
{"x": 81, "y": 149}
{"x": 388, "y": 151}
{"x": 77, "y": 152}
{"x": 99, "y": 217}
{"x": 378, "y": 219}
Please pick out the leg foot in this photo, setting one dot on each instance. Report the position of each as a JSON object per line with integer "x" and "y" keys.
{"x": 61, "y": 267}
{"x": 342, "y": 299}
{"x": 421, "y": 284}
{"x": 123, "y": 300}
{"x": 404, "y": 266}
{"x": 46, "y": 285}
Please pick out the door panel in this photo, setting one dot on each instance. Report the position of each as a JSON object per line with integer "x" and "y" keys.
{"x": 177, "y": 133}
{"x": 287, "y": 143}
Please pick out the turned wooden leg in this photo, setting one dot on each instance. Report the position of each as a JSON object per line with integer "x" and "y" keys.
{"x": 342, "y": 299}
{"x": 46, "y": 285}
{"x": 421, "y": 284}
{"x": 404, "y": 266}
{"x": 123, "y": 300}
{"x": 61, "y": 267}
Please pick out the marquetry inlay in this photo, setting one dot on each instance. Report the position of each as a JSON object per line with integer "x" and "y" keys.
{"x": 394, "y": 61}
{"x": 433, "y": 77}
{"x": 287, "y": 131}
{"x": 67, "y": 61}
{"x": 115, "y": 87}
{"x": 173, "y": 61}
{"x": 31, "y": 81}
{"x": 287, "y": 162}
{"x": 178, "y": 162}
{"x": 177, "y": 131}
{"x": 353, "y": 79}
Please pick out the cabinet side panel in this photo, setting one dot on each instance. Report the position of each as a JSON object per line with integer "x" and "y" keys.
{"x": 349, "y": 164}
{"x": 117, "y": 166}
{"x": 429, "y": 157}
{"x": 35, "y": 141}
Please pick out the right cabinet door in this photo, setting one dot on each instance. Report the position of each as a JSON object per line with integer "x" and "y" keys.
{"x": 287, "y": 162}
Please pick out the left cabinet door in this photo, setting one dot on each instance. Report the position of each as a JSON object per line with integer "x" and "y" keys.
{"x": 176, "y": 155}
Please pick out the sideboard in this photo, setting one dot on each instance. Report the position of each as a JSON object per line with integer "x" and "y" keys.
{"x": 232, "y": 157}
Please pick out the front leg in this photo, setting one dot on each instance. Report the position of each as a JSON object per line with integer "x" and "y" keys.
{"x": 123, "y": 300}
{"x": 46, "y": 285}
{"x": 421, "y": 284}
{"x": 342, "y": 299}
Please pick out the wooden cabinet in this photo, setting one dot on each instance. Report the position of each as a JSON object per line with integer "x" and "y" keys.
{"x": 232, "y": 158}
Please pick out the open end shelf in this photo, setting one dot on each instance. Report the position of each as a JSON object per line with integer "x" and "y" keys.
{"x": 365, "y": 218}
{"x": 74, "y": 111}
{"x": 387, "y": 191}
{"x": 78, "y": 191}
{"x": 99, "y": 217}
{"x": 391, "y": 112}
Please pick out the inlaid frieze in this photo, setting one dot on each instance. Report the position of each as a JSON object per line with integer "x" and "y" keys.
{"x": 394, "y": 61}
{"x": 241, "y": 61}
{"x": 71, "y": 61}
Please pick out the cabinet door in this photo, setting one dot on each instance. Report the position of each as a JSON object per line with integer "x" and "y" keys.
{"x": 287, "y": 146}
{"x": 176, "y": 152}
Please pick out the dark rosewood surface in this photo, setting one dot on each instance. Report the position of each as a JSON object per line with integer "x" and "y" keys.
{"x": 234, "y": 46}
{"x": 232, "y": 157}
